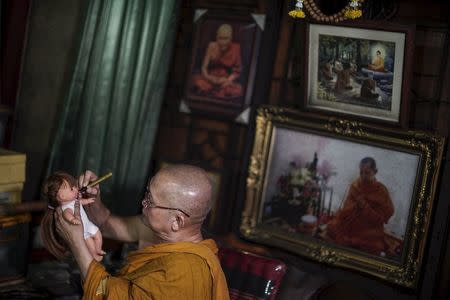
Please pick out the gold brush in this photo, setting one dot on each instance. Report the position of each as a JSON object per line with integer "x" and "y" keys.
{"x": 95, "y": 182}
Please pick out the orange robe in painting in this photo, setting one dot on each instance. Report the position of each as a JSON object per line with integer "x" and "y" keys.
{"x": 221, "y": 65}
{"x": 377, "y": 64}
{"x": 165, "y": 271}
{"x": 363, "y": 227}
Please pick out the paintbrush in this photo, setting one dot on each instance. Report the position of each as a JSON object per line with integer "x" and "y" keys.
{"x": 95, "y": 182}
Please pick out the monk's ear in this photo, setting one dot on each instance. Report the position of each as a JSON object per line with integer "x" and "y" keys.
{"x": 178, "y": 222}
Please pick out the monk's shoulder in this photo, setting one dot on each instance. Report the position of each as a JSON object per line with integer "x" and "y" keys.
{"x": 354, "y": 186}
{"x": 382, "y": 187}
{"x": 184, "y": 261}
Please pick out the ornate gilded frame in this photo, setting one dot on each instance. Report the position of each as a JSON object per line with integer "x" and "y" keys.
{"x": 428, "y": 148}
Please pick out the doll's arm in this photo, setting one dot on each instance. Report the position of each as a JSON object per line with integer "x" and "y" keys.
{"x": 87, "y": 201}
{"x": 70, "y": 217}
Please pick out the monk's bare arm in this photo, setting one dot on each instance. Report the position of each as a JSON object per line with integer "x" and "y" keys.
{"x": 126, "y": 229}
{"x": 121, "y": 228}
{"x": 205, "y": 65}
{"x": 212, "y": 47}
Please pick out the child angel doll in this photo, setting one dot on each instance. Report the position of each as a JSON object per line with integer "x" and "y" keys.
{"x": 61, "y": 189}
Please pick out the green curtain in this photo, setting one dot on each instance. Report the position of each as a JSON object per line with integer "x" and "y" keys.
{"x": 110, "y": 115}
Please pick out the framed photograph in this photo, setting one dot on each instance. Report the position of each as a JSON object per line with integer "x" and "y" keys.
{"x": 215, "y": 179}
{"x": 362, "y": 71}
{"x": 224, "y": 54}
{"x": 342, "y": 192}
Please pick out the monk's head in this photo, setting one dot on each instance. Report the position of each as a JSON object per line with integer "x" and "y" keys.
{"x": 224, "y": 36}
{"x": 367, "y": 169}
{"x": 177, "y": 197}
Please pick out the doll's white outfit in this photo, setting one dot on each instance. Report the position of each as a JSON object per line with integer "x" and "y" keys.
{"x": 90, "y": 228}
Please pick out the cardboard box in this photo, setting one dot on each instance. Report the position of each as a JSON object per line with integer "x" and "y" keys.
{"x": 12, "y": 167}
{"x": 11, "y": 192}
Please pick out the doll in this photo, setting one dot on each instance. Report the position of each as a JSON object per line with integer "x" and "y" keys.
{"x": 61, "y": 189}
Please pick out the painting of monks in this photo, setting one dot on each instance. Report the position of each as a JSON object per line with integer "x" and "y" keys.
{"x": 223, "y": 62}
{"x": 359, "y": 71}
{"x": 342, "y": 192}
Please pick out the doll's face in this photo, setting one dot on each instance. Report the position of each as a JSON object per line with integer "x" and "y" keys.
{"x": 67, "y": 193}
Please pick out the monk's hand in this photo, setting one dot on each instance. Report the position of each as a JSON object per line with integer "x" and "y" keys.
{"x": 87, "y": 201}
{"x": 220, "y": 80}
{"x": 96, "y": 211}
{"x": 84, "y": 180}
{"x": 227, "y": 82}
{"x": 68, "y": 230}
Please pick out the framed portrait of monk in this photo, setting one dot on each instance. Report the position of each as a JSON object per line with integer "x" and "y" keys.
{"x": 222, "y": 68}
{"x": 345, "y": 193}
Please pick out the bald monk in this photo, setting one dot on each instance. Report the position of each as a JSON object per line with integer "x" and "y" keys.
{"x": 173, "y": 260}
{"x": 221, "y": 67}
{"x": 368, "y": 206}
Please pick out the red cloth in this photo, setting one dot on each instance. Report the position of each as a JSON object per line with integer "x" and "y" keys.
{"x": 362, "y": 227}
{"x": 251, "y": 276}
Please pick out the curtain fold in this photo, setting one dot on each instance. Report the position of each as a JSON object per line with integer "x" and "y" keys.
{"x": 110, "y": 114}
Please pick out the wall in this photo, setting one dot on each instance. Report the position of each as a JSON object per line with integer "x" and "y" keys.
{"x": 223, "y": 146}
{"x": 49, "y": 57}
{"x": 14, "y": 16}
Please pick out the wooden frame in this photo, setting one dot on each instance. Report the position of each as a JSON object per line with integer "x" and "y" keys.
{"x": 303, "y": 179}
{"x": 205, "y": 91}
{"x": 360, "y": 69}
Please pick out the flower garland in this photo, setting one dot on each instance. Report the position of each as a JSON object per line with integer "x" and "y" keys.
{"x": 350, "y": 11}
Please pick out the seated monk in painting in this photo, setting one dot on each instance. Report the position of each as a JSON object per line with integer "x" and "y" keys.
{"x": 377, "y": 63}
{"x": 221, "y": 67}
{"x": 368, "y": 206}
{"x": 344, "y": 76}
{"x": 368, "y": 89}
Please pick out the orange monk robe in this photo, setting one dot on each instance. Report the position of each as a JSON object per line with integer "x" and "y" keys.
{"x": 363, "y": 227}
{"x": 377, "y": 64}
{"x": 222, "y": 64}
{"x": 165, "y": 271}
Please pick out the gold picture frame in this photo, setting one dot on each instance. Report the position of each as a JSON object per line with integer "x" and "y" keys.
{"x": 303, "y": 180}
